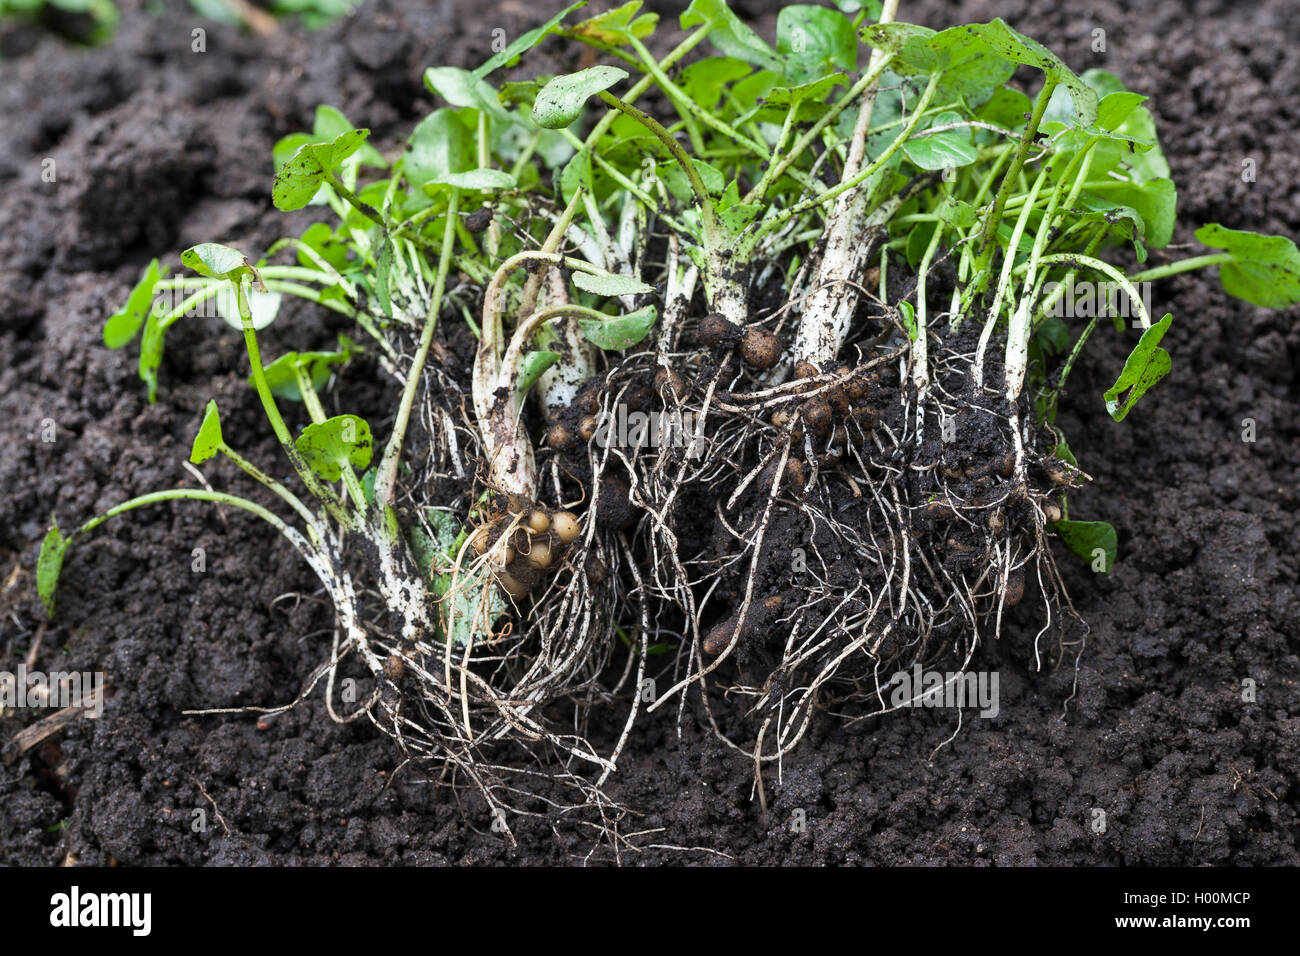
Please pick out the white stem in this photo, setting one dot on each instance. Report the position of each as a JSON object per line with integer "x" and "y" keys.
{"x": 829, "y": 309}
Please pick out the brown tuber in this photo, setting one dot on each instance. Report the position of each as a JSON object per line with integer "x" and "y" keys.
{"x": 1015, "y": 588}
{"x": 719, "y": 636}
{"x": 668, "y": 382}
{"x": 539, "y": 522}
{"x": 539, "y": 553}
{"x": 559, "y": 435}
{"x": 818, "y": 415}
{"x": 565, "y": 525}
{"x": 715, "y": 330}
{"x": 394, "y": 667}
{"x": 760, "y": 348}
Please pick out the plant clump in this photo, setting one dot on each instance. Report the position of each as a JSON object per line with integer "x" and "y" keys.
{"x": 762, "y": 400}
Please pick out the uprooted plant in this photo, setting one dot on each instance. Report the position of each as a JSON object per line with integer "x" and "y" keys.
{"x": 827, "y": 300}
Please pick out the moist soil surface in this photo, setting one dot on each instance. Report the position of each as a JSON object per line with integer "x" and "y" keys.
{"x": 156, "y": 147}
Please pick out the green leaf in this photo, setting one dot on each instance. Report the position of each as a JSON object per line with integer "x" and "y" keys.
{"x": 510, "y": 55}
{"x": 956, "y": 212}
{"x": 126, "y": 321}
{"x": 1085, "y": 538}
{"x": 1146, "y": 365}
{"x": 1019, "y": 48}
{"x": 977, "y": 58}
{"x": 675, "y": 179}
{"x": 576, "y": 174}
{"x": 561, "y": 101}
{"x": 215, "y": 261}
{"x": 330, "y": 124}
{"x": 1265, "y": 269}
{"x": 704, "y": 81}
{"x": 815, "y": 41}
{"x": 464, "y": 90}
{"x": 729, "y": 34}
{"x": 151, "y": 353}
{"x": 917, "y": 242}
{"x": 326, "y": 243}
{"x": 297, "y": 181}
{"x": 330, "y": 445}
{"x": 610, "y": 285}
{"x": 950, "y": 148}
{"x": 49, "y": 565}
{"x": 208, "y": 441}
{"x": 532, "y": 367}
{"x": 908, "y": 314}
{"x": 1157, "y": 202}
{"x": 1126, "y": 220}
{"x": 439, "y": 146}
{"x": 969, "y": 69}
{"x": 815, "y": 90}
{"x": 619, "y": 331}
{"x": 618, "y": 26}
{"x": 1006, "y": 108}
{"x": 479, "y": 180}
{"x": 1115, "y": 108}
{"x": 282, "y": 377}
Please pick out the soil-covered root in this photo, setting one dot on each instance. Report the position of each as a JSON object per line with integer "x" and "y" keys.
{"x": 800, "y": 544}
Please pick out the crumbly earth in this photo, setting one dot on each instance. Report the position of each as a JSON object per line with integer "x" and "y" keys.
{"x": 156, "y": 147}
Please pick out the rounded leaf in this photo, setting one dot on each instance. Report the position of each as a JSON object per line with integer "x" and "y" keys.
{"x": 561, "y": 101}
{"x": 610, "y": 284}
{"x": 329, "y": 445}
{"x": 215, "y": 261}
{"x": 1265, "y": 269}
{"x": 619, "y": 331}
{"x": 479, "y": 180}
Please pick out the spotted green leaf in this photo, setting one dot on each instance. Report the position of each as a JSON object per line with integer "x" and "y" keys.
{"x": 1147, "y": 364}
{"x": 1265, "y": 270}
{"x": 561, "y": 101}
{"x": 330, "y": 445}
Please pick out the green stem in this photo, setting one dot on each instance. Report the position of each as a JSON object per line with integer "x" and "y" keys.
{"x": 682, "y": 101}
{"x": 193, "y": 494}
{"x": 803, "y": 142}
{"x": 287, "y": 496}
{"x": 281, "y": 430}
{"x": 643, "y": 84}
{"x": 1184, "y": 265}
{"x": 1107, "y": 269}
{"x": 991, "y": 223}
{"x": 386, "y": 477}
{"x": 674, "y": 147}
{"x": 770, "y": 225}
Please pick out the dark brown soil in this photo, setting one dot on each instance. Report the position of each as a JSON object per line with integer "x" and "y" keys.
{"x": 157, "y": 147}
